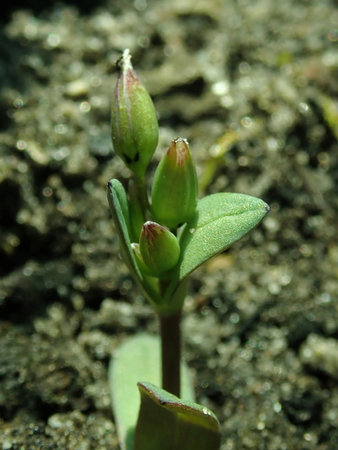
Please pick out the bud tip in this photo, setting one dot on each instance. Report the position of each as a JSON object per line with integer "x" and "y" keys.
{"x": 179, "y": 151}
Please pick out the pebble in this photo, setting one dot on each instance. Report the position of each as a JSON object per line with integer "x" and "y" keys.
{"x": 77, "y": 88}
{"x": 321, "y": 354}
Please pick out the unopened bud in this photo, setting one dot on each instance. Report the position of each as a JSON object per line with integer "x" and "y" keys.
{"x": 175, "y": 187}
{"x": 159, "y": 248}
{"x": 133, "y": 119}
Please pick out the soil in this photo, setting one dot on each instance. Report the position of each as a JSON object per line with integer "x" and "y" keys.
{"x": 253, "y": 87}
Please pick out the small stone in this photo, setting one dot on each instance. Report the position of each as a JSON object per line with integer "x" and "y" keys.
{"x": 77, "y": 88}
{"x": 320, "y": 354}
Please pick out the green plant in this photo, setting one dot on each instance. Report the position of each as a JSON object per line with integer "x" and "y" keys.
{"x": 162, "y": 241}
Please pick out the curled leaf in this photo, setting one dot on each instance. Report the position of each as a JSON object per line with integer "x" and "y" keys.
{"x": 166, "y": 422}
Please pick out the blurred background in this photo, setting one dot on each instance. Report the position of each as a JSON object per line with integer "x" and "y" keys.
{"x": 253, "y": 86}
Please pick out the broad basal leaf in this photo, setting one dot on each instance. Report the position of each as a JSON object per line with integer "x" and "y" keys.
{"x": 137, "y": 359}
{"x": 220, "y": 220}
{"x": 166, "y": 422}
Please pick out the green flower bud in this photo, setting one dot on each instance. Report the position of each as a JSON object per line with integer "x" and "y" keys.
{"x": 175, "y": 187}
{"x": 133, "y": 120}
{"x": 159, "y": 248}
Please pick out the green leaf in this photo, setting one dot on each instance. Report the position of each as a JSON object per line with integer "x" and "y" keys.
{"x": 118, "y": 203}
{"x": 220, "y": 220}
{"x": 137, "y": 359}
{"x": 166, "y": 422}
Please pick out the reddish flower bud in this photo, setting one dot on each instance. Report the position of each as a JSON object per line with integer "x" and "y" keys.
{"x": 133, "y": 119}
{"x": 159, "y": 248}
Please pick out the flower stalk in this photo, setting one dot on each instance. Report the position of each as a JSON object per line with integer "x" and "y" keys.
{"x": 170, "y": 332}
{"x": 176, "y": 233}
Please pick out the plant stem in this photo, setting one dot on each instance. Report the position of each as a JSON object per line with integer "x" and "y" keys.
{"x": 171, "y": 352}
{"x": 142, "y": 194}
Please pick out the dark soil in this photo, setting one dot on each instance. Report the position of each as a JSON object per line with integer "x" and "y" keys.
{"x": 253, "y": 87}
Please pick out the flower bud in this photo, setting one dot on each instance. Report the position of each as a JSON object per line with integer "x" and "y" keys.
{"x": 159, "y": 248}
{"x": 175, "y": 187}
{"x": 133, "y": 120}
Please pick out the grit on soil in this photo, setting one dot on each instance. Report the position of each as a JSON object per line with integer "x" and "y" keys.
{"x": 253, "y": 86}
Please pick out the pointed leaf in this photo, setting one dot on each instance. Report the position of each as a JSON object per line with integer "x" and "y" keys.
{"x": 166, "y": 422}
{"x": 118, "y": 203}
{"x": 137, "y": 359}
{"x": 220, "y": 220}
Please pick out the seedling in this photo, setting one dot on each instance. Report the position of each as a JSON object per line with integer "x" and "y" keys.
{"x": 163, "y": 239}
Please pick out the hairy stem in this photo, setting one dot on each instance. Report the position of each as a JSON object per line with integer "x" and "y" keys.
{"x": 171, "y": 352}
